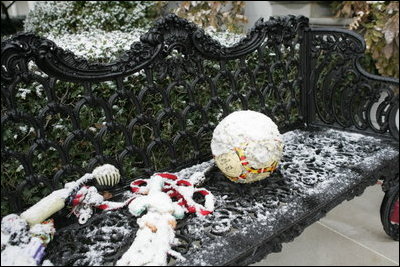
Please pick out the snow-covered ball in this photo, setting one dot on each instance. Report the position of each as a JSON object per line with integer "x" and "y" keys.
{"x": 247, "y": 146}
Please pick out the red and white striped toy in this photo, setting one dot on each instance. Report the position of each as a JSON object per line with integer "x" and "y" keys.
{"x": 181, "y": 191}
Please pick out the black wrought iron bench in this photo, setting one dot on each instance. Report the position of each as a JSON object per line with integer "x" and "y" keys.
{"x": 155, "y": 110}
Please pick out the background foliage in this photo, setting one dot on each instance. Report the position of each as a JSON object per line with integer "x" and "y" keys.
{"x": 69, "y": 17}
{"x": 378, "y": 21}
{"x": 61, "y": 17}
{"x": 219, "y": 15}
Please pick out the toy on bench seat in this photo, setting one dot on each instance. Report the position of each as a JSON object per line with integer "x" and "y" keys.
{"x": 154, "y": 196}
{"x": 247, "y": 146}
{"x": 24, "y": 237}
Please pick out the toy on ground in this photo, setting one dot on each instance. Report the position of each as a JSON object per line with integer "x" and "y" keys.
{"x": 247, "y": 146}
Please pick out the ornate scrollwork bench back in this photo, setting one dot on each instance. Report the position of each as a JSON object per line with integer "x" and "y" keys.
{"x": 156, "y": 107}
{"x": 153, "y": 109}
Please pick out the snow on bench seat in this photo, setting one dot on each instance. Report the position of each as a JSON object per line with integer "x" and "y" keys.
{"x": 319, "y": 170}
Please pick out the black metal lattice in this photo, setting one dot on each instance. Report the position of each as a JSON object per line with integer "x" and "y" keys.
{"x": 156, "y": 107}
{"x": 174, "y": 86}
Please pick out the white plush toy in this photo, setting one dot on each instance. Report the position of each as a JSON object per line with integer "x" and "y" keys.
{"x": 156, "y": 232}
{"x": 22, "y": 245}
{"x": 156, "y": 235}
{"x": 247, "y": 146}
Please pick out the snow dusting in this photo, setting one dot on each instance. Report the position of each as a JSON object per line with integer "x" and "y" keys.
{"x": 315, "y": 168}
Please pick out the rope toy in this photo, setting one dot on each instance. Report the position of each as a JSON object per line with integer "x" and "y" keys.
{"x": 166, "y": 198}
{"x": 181, "y": 190}
{"x": 84, "y": 198}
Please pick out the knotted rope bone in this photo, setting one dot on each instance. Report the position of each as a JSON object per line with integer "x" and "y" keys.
{"x": 166, "y": 198}
{"x": 182, "y": 191}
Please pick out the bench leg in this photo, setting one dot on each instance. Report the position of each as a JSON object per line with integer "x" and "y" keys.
{"x": 390, "y": 208}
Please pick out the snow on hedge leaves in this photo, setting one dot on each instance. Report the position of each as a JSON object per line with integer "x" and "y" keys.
{"x": 107, "y": 46}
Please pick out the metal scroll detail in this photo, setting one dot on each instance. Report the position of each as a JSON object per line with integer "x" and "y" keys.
{"x": 106, "y": 233}
{"x": 343, "y": 93}
{"x": 170, "y": 30}
{"x": 154, "y": 109}
{"x": 63, "y": 64}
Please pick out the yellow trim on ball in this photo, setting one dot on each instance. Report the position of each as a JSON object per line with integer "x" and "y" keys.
{"x": 243, "y": 160}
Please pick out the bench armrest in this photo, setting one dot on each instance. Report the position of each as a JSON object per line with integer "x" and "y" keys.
{"x": 340, "y": 92}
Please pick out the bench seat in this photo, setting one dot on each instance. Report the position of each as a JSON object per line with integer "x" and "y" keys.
{"x": 320, "y": 169}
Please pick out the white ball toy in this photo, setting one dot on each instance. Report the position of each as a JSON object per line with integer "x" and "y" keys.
{"x": 247, "y": 146}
